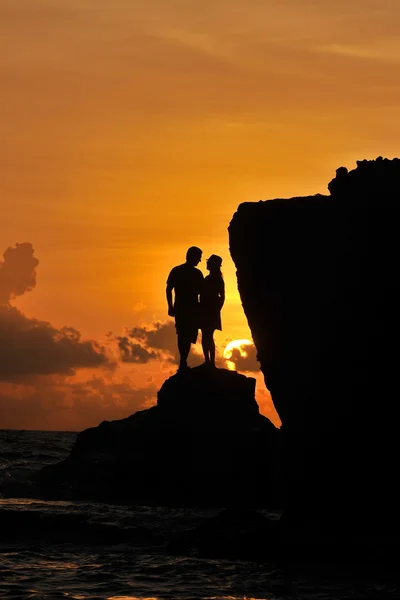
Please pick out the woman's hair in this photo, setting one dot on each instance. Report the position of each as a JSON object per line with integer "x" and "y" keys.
{"x": 214, "y": 265}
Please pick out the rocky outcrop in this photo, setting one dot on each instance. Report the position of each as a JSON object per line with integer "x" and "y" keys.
{"x": 318, "y": 278}
{"x": 204, "y": 444}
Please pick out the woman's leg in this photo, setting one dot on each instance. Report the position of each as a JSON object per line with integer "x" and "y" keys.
{"x": 212, "y": 347}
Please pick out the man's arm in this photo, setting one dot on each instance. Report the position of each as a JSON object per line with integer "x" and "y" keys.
{"x": 171, "y": 311}
{"x": 200, "y": 284}
{"x": 170, "y": 287}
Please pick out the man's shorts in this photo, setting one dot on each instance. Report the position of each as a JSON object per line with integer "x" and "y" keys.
{"x": 187, "y": 327}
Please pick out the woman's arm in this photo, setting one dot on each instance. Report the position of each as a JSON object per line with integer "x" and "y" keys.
{"x": 222, "y": 293}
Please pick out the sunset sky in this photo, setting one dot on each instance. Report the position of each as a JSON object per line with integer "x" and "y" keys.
{"x": 132, "y": 129}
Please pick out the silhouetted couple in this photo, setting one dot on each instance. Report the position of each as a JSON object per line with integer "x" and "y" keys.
{"x": 197, "y": 304}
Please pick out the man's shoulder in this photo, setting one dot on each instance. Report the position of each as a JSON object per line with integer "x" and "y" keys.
{"x": 178, "y": 268}
{"x": 185, "y": 268}
{"x": 185, "y": 273}
{"x": 175, "y": 271}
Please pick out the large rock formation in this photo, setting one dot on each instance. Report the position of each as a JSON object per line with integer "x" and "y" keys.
{"x": 204, "y": 444}
{"x": 318, "y": 278}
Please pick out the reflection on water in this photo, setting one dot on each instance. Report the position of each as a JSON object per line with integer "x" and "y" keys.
{"x": 129, "y": 598}
{"x": 15, "y": 502}
{"x": 126, "y": 572}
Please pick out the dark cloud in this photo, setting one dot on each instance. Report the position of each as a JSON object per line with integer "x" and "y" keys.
{"x": 160, "y": 336}
{"x": 154, "y": 342}
{"x": 62, "y": 403}
{"x": 31, "y": 347}
{"x": 17, "y": 272}
{"x": 248, "y": 362}
{"x": 133, "y": 352}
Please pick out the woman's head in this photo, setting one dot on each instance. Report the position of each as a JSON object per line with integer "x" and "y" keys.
{"x": 214, "y": 263}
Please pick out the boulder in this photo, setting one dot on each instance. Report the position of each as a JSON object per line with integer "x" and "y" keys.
{"x": 204, "y": 444}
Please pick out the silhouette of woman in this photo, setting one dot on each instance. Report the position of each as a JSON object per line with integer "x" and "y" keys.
{"x": 212, "y": 298}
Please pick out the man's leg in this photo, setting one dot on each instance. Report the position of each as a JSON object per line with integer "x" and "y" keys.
{"x": 205, "y": 342}
{"x": 184, "y": 349}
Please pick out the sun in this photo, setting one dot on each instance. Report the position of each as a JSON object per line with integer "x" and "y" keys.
{"x": 239, "y": 345}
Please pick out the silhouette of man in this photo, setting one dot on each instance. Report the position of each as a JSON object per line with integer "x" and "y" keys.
{"x": 186, "y": 281}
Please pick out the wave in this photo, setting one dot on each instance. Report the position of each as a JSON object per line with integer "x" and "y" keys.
{"x": 24, "y": 453}
{"x": 71, "y": 526}
{"x": 31, "y": 520}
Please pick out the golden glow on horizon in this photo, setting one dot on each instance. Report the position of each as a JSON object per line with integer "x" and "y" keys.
{"x": 239, "y": 345}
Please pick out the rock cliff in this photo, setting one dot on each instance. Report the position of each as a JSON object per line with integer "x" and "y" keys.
{"x": 318, "y": 278}
{"x": 204, "y": 444}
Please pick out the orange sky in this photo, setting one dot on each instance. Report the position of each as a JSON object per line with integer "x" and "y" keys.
{"x": 132, "y": 129}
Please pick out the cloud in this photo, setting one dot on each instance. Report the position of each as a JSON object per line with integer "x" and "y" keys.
{"x": 139, "y": 306}
{"x": 145, "y": 343}
{"x": 17, "y": 272}
{"x": 133, "y": 352}
{"x": 157, "y": 341}
{"x": 245, "y": 358}
{"x": 38, "y": 363}
{"x": 31, "y": 347}
{"x": 62, "y": 403}
{"x": 386, "y": 50}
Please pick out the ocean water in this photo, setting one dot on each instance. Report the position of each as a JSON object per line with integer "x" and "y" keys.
{"x": 80, "y": 550}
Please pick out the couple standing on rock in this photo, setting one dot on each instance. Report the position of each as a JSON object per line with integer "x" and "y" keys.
{"x": 197, "y": 304}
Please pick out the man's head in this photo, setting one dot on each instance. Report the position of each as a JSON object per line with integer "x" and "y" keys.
{"x": 193, "y": 256}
